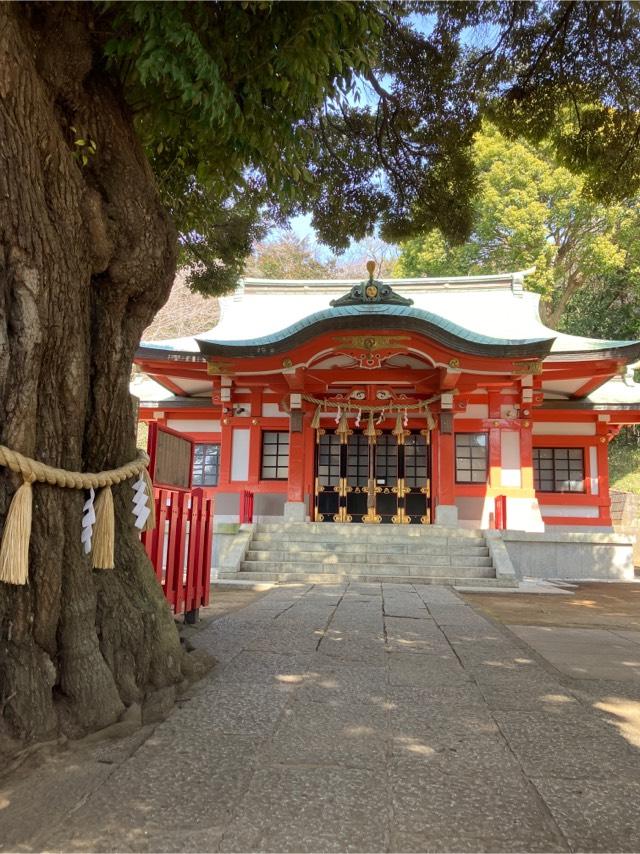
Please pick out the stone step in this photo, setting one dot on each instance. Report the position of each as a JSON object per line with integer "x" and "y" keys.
{"x": 335, "y": 578}
{"x": 333, "y": 530}
{"x": 316, "y": 567}
{"x": 366, "y": 556}
{"x": 413, "y": 546}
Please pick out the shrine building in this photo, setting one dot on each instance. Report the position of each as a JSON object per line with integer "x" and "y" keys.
{"x": 415, "y": 402}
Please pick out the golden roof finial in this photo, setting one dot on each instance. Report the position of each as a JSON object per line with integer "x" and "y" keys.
{"x": 371, "y": 268}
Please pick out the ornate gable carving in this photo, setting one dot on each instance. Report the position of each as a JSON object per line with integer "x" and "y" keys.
{"x": 372, "y": 291}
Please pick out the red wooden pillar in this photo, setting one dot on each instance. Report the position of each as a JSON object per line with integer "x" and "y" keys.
{"x": 255, "y": 451}
{"x": 295, "y": 489}
{"x": 526, "y": 455}
{"x": 310, "y": 458}
{"x": 446, "y": 468}
{"x": 226, "y": 438}
{"x": 255, "y": 437}
{"x": 495, "y": 443}
{"x": 604, "y": 498}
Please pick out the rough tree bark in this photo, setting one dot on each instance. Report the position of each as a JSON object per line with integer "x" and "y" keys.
{"x": 87, "y": 256}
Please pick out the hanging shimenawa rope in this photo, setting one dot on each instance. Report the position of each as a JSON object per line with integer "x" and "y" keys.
{"x": 14, "y": 549}
{"x": 348, "y": 409}
{"x": 352, "y": 407}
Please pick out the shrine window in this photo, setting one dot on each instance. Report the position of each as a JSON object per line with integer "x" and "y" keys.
{"x": 471, "y": 458}
{"x": 275, "y": 455}
{"x": 206, "y": 465}
{"x": 558, "y": 469}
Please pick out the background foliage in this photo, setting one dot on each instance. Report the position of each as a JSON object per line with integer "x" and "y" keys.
{"x": 532, "y": 212}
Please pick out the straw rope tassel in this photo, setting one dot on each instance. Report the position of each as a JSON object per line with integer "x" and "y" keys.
{"x": 343, "y": 426}
{"x": 14, "y": 551}
{"x": 431, "y": 421}
{"x": 398, "y": 430}
{"x": 371, "y": 427}
{"x": 150, "y": 524}
{"x": 315, "y": 421}
{"x": 104, "y": 531}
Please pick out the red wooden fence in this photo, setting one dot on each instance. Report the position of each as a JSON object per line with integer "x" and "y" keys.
{"x": 246, "y": 506}
{"x": 180, "y": 546}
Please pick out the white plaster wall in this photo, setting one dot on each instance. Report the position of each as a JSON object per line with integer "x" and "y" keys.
{"x": 474, "y": 410}
{"x": 272, "y": 410}
{"x": 193, "y": 425}
{"x": 240, "y": 454}
{"x": 559, "y": 510}
{"x": 510, "y": 458}
{"x": 564, "y": 428}
{"x": 523, "y": 514}
{"x": 593, "y": 465}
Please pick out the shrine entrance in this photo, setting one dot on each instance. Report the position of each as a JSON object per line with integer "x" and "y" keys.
{"x": 381, "y": 479}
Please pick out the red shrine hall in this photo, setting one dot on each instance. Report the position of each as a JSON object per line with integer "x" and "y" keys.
{"x": 408, "y": 402}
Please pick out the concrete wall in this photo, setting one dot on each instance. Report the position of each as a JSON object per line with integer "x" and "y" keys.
{"x": 625, "y": 515}
{"x": 571, "y": 556}
{"x": 230, "y": 544}
{"x": 267, "y": 506}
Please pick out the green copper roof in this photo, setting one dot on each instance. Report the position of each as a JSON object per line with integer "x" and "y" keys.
{"x": 388, "y": 316}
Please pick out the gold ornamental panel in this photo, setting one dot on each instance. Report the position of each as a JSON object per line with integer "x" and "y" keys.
{"x": 372, "y": 342}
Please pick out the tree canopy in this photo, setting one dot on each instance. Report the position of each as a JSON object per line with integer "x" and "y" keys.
{"x": 363, "y": 113}
{"x": 530, "y": 211}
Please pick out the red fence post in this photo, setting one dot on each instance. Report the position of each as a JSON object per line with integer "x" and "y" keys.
{"x": 246, "y": 506}
{"x": 501, "y": 512}
{"x": 191, "y": 594}
{"x": 207, "y": 536}
{"x": 163, "y": 510}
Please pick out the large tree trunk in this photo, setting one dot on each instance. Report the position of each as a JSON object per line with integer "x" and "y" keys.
{"x": 87, "y": 256}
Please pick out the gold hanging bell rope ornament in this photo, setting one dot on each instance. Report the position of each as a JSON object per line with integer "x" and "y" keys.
{"x": 98, "y": 523}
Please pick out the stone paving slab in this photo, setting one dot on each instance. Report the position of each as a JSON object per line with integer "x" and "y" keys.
{"x": 495, "y": 807}
{"x": 428, "y": 669}
{"x": 358, "y": 717}
{"x": 521, "y": 693}
{"x": 570, "y": 744}
{"x": 594, "y": 815}
{"x": 240, "y": 708}
{"x": 586, "y": 653}
{"x": 311, "y": 809}
{"x": 350, "y": 734}
{"x": 628, "y": 634}
{"x": 19, "y": 793}
{"x": 266, "y": 668}
{"x": 175, "y": 779}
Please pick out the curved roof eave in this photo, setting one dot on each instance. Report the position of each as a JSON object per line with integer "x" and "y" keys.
{"x": 402, "y": 318}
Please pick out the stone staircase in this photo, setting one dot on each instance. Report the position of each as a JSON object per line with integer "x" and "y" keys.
{"x": 316, "y": 552}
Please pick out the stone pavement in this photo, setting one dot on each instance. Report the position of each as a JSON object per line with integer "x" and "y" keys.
{"x": 360, "y": 717}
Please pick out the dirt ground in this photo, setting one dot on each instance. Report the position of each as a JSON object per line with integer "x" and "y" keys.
{"x": 591, "y": 605}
